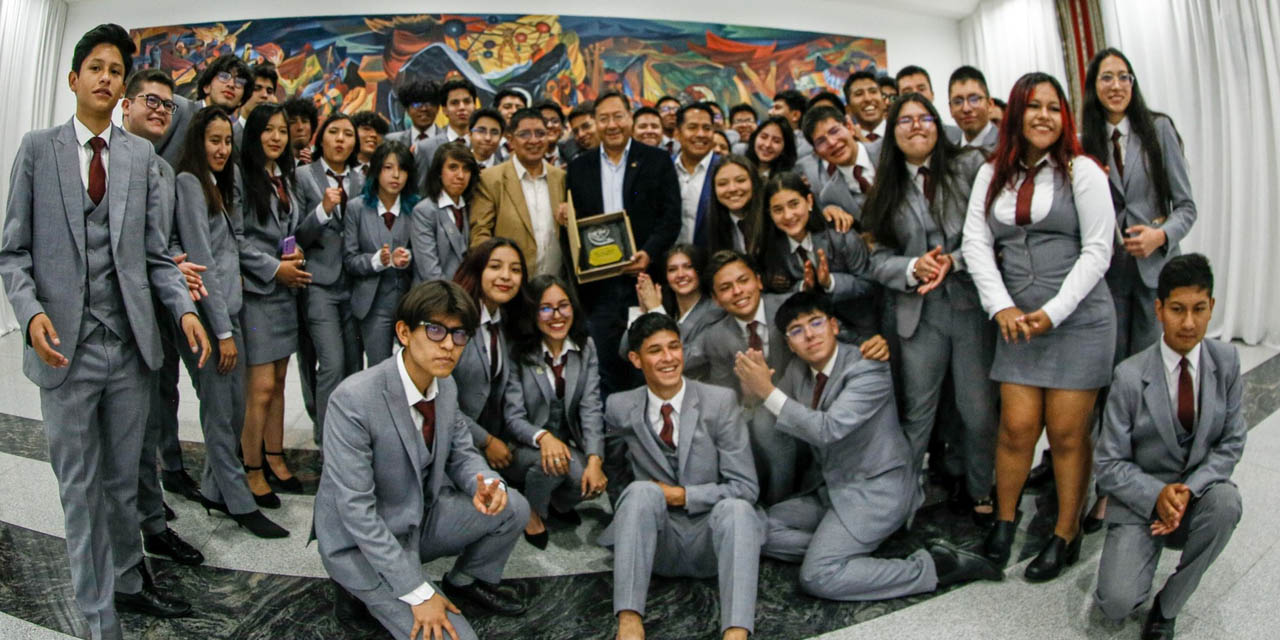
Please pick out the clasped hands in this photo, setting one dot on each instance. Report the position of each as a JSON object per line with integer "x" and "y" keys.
{"x": 931, "y": 269}
{"x": 555, "y": 462}
{"x": 398, "y": 257}
{"x": 1012, "y": 322}
{"x": 1171, "y": 505}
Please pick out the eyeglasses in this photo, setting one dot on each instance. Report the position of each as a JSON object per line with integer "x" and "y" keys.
{"x": 421, "y": 105}
{"x": 924, "y": 121}
{"x": 546, "y": 311}
{"x": 155, "y": 103}
{"x": 1124, "y": 79}
{"x": 527, "y": 134}
{"x": 821, "y": 142}
{"x": 225, "y": 76}
{"x": 487, "y": 131}
{"x": 818, "y": 323}
{"x": 974, "y": 99}
{"x": 437, "y": 332}
{"x": 606, "y": 118}
{"x": 668, "y": 109}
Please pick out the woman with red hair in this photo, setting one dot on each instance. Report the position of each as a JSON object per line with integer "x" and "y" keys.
{"x": 1037, "y": 241}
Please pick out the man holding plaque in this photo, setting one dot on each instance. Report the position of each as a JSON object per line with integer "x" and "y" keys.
{"x": 642, "y": 181}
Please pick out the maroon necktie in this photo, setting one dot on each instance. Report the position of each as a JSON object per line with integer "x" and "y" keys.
{"x": 558, "y": 370}
{"x": 864, "y": 185}
{"x": 457, "y": 216}
{"x": 428, "y": 410}
{"x": 668, "y": 427}
{"x": 493, "y": 349}
{"x": 928, "y": 184}
{"x": 803, "y": 254}
{"x": 818, "y": 386}
{"x": 97, "y": 171}
{"x": 754, "y": 341}
{"x": 343, "y": 190}
{"x": 670, "y": 144}
{"x": 1115, "y": 152}
{"x": 281, "y": 193}
{"x": 831, "y": 169}
{"x": 1186, "y": 397}
{"x": 389, "y": 219}
{"x": 1022, "y": 212}
{"x": 873, "y": 136}
{"x": 421, "y": 136}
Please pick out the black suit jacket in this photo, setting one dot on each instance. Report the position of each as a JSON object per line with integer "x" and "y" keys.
{"x": 650, "y": 194}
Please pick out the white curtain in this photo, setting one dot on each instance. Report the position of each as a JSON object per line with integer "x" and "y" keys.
{"x": 1008, "y": 38}
{"x": 1213, "y": 66}
{"x": 30, "y": 42}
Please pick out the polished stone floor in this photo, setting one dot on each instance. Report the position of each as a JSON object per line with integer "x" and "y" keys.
{"x": 251, "y": 588}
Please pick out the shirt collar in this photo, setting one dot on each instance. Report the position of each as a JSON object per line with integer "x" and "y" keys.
{"x": 964, "y": 142}
{"x": 829, "y": 366}
{"x": 411, "y": 392}
{"x": 700, "y": 167}
{"x": 486, "y": 317}
{"x": 625, "y": 152}
{"x": 807, "y": 243}
{"x": 568, "y": 346}
{"x": 1123, "y": 126}
{"x": 395, "y": 207}
{"x": 914, "y": 169}
{"x": 521, "y": 171}
{"x": 759, "y": 317}
{"x": 676, "y": 401}
{"x": 1172, "y": 359}
{"x": 83, "y": 135}
{"x": 445, "y": 201}
{"x": 454, "y": 136}
{"x": 419, "y": 132}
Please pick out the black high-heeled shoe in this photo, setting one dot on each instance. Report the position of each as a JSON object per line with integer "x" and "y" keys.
{"x": 292, "y": 485}
{"x": 259, "y": 525}
{"x": 1055, "y": 555}
{"x": 569, "y": 517}
{"x": 268, "y": 500}
{"x": 210, "y": 505}
{"x": 999, "y": 542}
{"x": 538, "y": 540}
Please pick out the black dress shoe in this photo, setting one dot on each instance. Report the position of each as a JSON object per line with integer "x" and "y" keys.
{"x": 569, "y": 517}
{"x": 1157, "y": 627}
{"x": 1056, "y": 555}
{"x": 350, "y": 610}
{"x": 981, "y": 519}
{"x": 169, "y": 545}
{"x": 169, "y": 515}
{"x": 1091, "y": 524}
{"x": 1042, "y": 473}
{"x": 268, "y": 500}
{"x": 181, "y": 483}
{"x": 292, "y": 485}
{"x": 150, "y": 602}
{"x": 485, "y": 596}
{"x": 955, "y": 565}
{"x": 999, "y": 542}
{"x": 538, "y": 540}
{"x": 259, "y": 525}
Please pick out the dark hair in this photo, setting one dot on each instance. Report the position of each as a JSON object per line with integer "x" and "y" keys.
{"x": 257, "y": 184}
{"x": 967, "y": 72}
{"x": 999, "y": 103}
{"x": 435, "y": 173}
{"x": 231, "y": 64}
{"x": 551, "y": 105}
{"x": 718, "y": 261}
{"x": 740, "y": 107}
{"x": 488, "y": 112}
{"x": 802, "y": 302}
{"x": 526, "y": 338}
{"x": 911, "y": 70}
{"x": 864, "y": 74}
{"x": 1006, "y": 160}
{"x": 720, "y": 222}
{"x": 582, "y": 109}
{"x": 453, "y": 85}
{"x": 318, "y": 152}
{"x": 694, "y": 106}
{"x": 1142, "y": 120}
{"x": 418, "y": 90}
{"x": 372, "y": 120}
{"x": 774, "y": 248}
{"x": 794, "y": 99}
{"x": 521, "y": 115}
{"x": 785, "y": 160}
{"x": 647, "y": 325}
{"x": 195, "y": 161}
{"x": 109, "y": 33}
{"x": 715, "y": 106}
{"x": 886, "y": 81}
{"x": 665, "y": 99}
{"x": 267, "y": 71}
{"x": 813, "y": 116}
{"x": 824, "y": 96}
{"x": 1186, "y": 270}
{"x": 299, "y": 107}
{"x": 409, "y": 195}
{"x": 720, "y": 132}
{"x": 893, "y": 179}
{"x": 436, "y": 298}
{"x": 612, "y": 93}
{"x": 509, "y": 93}
{"x": 473, "y": 265}
{"x": 697, "y": 259}
{"x": 645, "y": 111}
{"x": 143, "y": 76}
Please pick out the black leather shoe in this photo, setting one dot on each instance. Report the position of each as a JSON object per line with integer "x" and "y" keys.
{"x": 1042, "y": 473}
{"x": 955, "y": 565}
{"x": 169, "y": 515}
{"x": 1053, "y": 558}
{"x": 292, "y": 485}
{"x": 1091, "y": 524}
{"x": 1157, "y": 627}
{"x": 259, "y": 525}
{"x": 538, "y": 540}
{"x": 268, "y": 500}
{"x": 169, "y": 545}
{"x": 150, "y": 602}
{"x": 181, "y": 483}
{"x": 569, "y": 517}
{"x": 999, "y": 542}
{"x": 349, "y": 610}
{"x": 485, "y": 596}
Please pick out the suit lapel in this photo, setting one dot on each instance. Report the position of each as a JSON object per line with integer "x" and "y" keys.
{"x": 572, "y": 369}
{"x": 511, "y": 184}
{"x": 1156, "y": 396}
{"x": 544, "y": 385}
{"x": 67, "y": 152}
{"x": 393, "y": 395}
{"x": 456, "y": 240}
{"x": 629, "y": 178}
{"x": 1206, "y": 413}
{"x": 688, "y": 424}
{"x": 118, "y": 180}
{"x": 644, "y": 433}
{"x": 1134, "y": 162}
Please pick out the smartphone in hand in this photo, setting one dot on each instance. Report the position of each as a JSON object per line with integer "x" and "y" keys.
{"x": 288, "y": 245}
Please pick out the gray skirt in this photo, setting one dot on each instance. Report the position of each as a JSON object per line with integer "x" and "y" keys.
{"x": 1074, "y": 355}
{"x": 270, "y": 325}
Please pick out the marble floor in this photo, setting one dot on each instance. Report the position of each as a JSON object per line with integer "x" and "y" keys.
{"x": 250, "y": 588}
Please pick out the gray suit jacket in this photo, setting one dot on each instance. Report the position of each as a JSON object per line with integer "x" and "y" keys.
{"x": 474, "y": 383}
{"x": 424, "y": 153}
{"x": 703, "y": 314}
{"x": 529, "y": 395}
{"x": 42, "y": 253}
{"x": 372, "y": 496}
{"x": 836, "y": 191}
{"x": 260, "y": 249}
{"x": 1134, "y": 198}
{"x": 363, "y": 234}
{"x": 169, "y": 146}
{"x": 1138, "y": 453}
{"x": 810, "y": 167}
{"x": 323, "y": 242}
{"x": 847, "y": 257}
{"x": 212, "y": 241}
{"x": 857, "y": 440}
{"x": 720, "y": 342}
{"x": 438, "y": 244}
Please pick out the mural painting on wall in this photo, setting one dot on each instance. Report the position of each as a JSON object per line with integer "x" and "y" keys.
{"x": 354, "y": 63}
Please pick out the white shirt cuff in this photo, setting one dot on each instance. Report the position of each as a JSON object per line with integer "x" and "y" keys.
{"x": 377, "y": 261}
{"x": 911, "y": 273}
{"x": 418, "y": 596}
{"x": 320, "y": 214}
{"x": 223, "y": 336}
{"x": 537, "y": 435}
{"x": 775, "y": 401}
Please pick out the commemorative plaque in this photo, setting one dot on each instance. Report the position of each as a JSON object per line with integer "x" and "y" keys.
{"x": 601, "y": 245}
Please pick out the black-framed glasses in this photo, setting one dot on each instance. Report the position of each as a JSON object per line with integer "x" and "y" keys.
{"x": 973, "y": 99}
{"x": 493, "y": 132}
{"x": 437, "y": 332}
{"x": 226, "y": 76}
{"x": 924, "y": 120}
{"x": 818, "y": 323}
{"x": 156, "y": 103}
{"x": 546, "y": 311}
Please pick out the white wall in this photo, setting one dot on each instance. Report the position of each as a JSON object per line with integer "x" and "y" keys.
{"x": 912, "y": 38}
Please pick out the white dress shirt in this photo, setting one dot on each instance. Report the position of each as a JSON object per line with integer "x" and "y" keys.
{"x": 453, "y": 136}
{"x": 537, "y": 199}
{"x": 83, "y": 136}
{"x": 691, "y": 183}
{"x": 395, "y": 211}
{"x": 763, "y": 328}
{"x": 1097, "y": 220}
{"x": 1173, "y": 369}
{"x": 445, "y": 201}
{"x": 777, "y": 398}
{"x": 611, "y": 178}
{"x": 654, "y": 412}
{"x": 344, "y": 176}
{"x": 413, "y": 396}
{"x": 551, "y": 377}
{"x": 966, "y": 142}
{"x": 485, "y": 319}
{"x": 878, "y": 129}
{"x": 1123, "y": 126}
{"x": 868, "y": 170}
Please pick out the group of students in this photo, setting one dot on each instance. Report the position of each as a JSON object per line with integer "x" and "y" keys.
{"x": 809, "y": 295}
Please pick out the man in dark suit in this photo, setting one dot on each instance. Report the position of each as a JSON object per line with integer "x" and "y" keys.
{"x": 1172, "y": 434}
{"x": 694, "y": 165}
{"x": 642, "y": 180}
{"x": 81, "y": 254}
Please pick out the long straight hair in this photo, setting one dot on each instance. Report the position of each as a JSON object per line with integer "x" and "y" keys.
{"x": 720, "y": 223}
{"x": 195, "y": 160}
{"x": 409, "y": 194}
{"x": 697, "y": 258}
{"x": 785, "y": 160}
{"x": 257, "y": 184}
{"x": 526, "y": 339}
{"x": 772, "y": 256}
{"x": 471, "y": 273}
{"x": 1007, "y": 157}
{"x": 435, "y": 174}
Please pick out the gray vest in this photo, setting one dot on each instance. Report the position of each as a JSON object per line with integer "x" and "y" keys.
{"x": 103, "y": 299}
{"x": 1036, "y": 258}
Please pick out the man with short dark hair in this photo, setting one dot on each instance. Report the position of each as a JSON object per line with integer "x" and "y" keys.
{"x": 371, "y": 130}
{"x": 488, "y": 142}
{"x": 508, "y": 101}
{"x": 553, "y": 119}
{"x": 914, "y": 79}
{"x": 867, "y": 105}
{"x": 790, "y": 104}
{"x": 970, "y": 102}
{"x": 265, "y": 83}
{"x": 303, "y": 118}
{"x": 582, "y": 126}
{"x": 888, "y": 89}
{"x": 850, "y": 168}
{"x": 421, "y": 100}
{"x": 458, "y": 98}
{"x": 1172, "y": 433}
{"x": 668, "y": 107}
{"x": 694, "y": 165}
{"x": 222, "y": 83}
{"x": 647, "y": 128}
{"x": 996, "y": 112}
{"x": 742, "y": 118}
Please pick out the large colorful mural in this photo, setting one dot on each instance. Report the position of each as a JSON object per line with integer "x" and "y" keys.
{"x": 352, "y": 63}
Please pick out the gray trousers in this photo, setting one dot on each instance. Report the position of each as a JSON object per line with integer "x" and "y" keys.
{"x": 650, "y": 538}
{"x": 774, "y": 453}
{"x": 543, "y": 490}
{"x": 964, "y": 341}
{"x": 336, "y": 337}
{"x": 834, "y": 564}
{"x": 94, "y": 422}
{"x": 307, "y": 365}
{"x": 161, "y": 434}
{"x": 377, "y": 328}
{"x": 222, "y": 420}
{"x": 1130, "y": 555}
{"x": 1136, "y": 326}
{"x": 454, "y": 527}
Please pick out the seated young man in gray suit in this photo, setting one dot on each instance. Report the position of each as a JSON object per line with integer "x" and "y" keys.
{"x": 402, "y": 483}
{"x": 1172, "y": 433}
{"x": 690, "y": 510}
{"x": 858, "y": 485}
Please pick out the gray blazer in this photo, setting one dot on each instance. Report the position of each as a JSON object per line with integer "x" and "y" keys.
{"x": 260, "y": 249}
{"x": 1134, "y": 198}
{"x": 437, "y": 243}
{"x": 213, "y": 241}
{"x": 1138, "y": 453}
{"x": 810, "y": 166}
{"x": 703, "y": 314}
{"x": 857, "y": 441}
{"x": 424, "y": 153}
{"x": 372, "y": 496}
{"x": 721, "y": 341}
{"x": 323, "y": 243}
{"x": 529, "y": 395}
{"x": 363, "y": 234}
{"x": 713, "y": 453}
{"x": 42, "y": 253}
{"x": 848, "y": 259}
{"x": 169, "y": 146}
{"x": 836, "y": 191}
{"x": 474, "y": 383}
